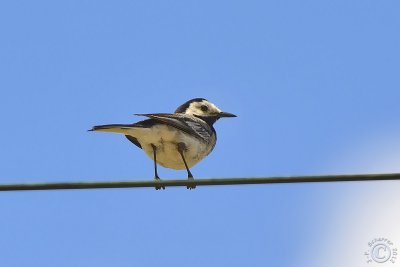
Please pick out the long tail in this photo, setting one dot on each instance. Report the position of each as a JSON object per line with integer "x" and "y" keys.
{"x": 113, "y": 128}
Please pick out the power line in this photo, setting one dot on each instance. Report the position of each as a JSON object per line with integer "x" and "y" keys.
{"x": 201, "y": 182}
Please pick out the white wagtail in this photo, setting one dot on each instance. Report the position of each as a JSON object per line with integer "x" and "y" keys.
{"x": 177, "y": 141}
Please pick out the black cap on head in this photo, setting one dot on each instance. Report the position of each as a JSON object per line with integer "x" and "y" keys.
{"x": 182, "y": 108}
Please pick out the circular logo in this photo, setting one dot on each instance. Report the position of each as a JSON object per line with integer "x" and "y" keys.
{"x": 381, "y": 253}
{"x": 381, "y": 250}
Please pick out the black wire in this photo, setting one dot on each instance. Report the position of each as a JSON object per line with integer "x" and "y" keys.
{"x": 201, "y": 182}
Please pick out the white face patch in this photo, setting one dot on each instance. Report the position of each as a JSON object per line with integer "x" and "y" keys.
{"x": 202, "y": 108}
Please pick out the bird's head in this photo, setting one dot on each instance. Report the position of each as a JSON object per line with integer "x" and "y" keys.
{"x": 203, "y": 108}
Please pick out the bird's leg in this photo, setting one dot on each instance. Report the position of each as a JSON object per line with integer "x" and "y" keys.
{"x": 156, "y": 177}
{"x": 181, "y": 150}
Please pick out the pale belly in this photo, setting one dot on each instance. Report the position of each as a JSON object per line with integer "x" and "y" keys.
{"x": 166, "y": 139}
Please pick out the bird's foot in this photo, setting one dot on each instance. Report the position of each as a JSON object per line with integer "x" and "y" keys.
{"x": 159, "y": 187}
{"x": 190, "y": 187}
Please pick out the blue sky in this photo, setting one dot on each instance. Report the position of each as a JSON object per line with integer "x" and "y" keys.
{"x": 315, "y": 85}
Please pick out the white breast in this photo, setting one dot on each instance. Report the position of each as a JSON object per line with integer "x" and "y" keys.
{"x": 166, "y": 138}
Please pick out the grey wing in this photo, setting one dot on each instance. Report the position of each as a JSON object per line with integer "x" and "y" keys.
{"x": 186, "y": 123}
{"x": 199, "y": 129}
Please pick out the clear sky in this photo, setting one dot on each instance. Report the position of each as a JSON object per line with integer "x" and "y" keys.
{"x": 315, "y": 85}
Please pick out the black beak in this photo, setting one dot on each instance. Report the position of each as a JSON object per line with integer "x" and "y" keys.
{"x": 226, "y": 115}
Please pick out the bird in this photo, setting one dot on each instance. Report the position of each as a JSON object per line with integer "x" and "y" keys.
{"x": 176, "y": 140}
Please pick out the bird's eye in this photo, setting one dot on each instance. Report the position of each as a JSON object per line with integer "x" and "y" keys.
{"x": 204, "y": 108}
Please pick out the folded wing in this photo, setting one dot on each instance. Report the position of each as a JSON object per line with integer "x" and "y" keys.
{"x": 187, "y": 123}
